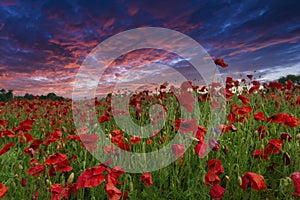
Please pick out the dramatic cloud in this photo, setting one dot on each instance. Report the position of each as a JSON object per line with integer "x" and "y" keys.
{"x": 43, "y": 44}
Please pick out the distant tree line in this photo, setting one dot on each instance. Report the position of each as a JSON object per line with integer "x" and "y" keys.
{"x": 295, "y": 79}
{"x": 6, "y": 96}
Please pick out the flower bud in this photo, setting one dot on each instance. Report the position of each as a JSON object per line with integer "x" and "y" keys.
{"x": 23, "y": 182}
{"x": 71, "y": 178}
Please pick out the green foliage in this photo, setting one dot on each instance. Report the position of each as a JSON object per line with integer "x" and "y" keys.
{"x": 295, "y": 79}
{"x": 6, "y": 96}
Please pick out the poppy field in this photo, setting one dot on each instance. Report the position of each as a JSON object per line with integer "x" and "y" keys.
{"x": 256, "y": 156}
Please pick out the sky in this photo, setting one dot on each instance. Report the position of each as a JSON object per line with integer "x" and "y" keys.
{"x": 43, "y": 44}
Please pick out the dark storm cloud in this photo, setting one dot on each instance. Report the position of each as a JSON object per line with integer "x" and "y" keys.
{"x": 42, "y": 44}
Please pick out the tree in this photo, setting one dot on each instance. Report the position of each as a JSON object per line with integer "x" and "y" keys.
{"x": 295, "y": 79}
{"x": 6, "y": 96}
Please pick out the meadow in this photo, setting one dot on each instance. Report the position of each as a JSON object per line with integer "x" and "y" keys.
{"x": 256, "y": 156}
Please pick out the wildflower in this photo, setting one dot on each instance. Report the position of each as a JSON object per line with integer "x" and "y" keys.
{"x": 147, "y": 178}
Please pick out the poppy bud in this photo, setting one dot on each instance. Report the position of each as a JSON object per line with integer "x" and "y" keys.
{"x": 272, "y": 166}
{"x": 48, "y": 182}
{"x": 285, "y": 136}
{"x": 225, "y": 150}
{"x": 23, "y": 182}
{"x": 240, "y": 180}
{"x": 130, "y": 186}
{"x": 286, "y": 158}
{"x": 31, "y": 152}
{"x": 71, "y": 178}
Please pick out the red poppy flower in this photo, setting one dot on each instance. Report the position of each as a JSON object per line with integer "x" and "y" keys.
{"x": 114, "y": 174}
{"x": 178, "y": 150}
{"x": 147, "y": 178}
{"x": 278, "y": 118}
{"x": 297, "y": 102}
{"x": 256, "y": 181}
{"x": 289, "y": 84}
{"x": 284, "y": 118}
{"x": 116, "y": 132}
{"x": 201, "y": 149}
{"x": 105, "y": 117}
{"x": 3, "y": 190}
{"x": 216, "y": 192}
{"x": 186, "y": 100}
{"x": 200, "y": 133}
{"x": 73, "y": 137}
{"x": 250, "y": 76}
{"x": 231, "y": 117}
{"x": 58, "y": 192}
{"x": 54, "y": 137}
{"x": 36, "y": 170}
{"x": 124, "y": 146}
{"x": 244, "y": 99}
{"x": 291, "y": 121}
{"x": 63, "y": 166}
{"x": 262, "y": 154}
{"x": 253, "y": 89}
{"x": 113, "y": 192}
{"x": 26, "y": 125}
{"x": 211, "y": 178}
{"x": 274, "y": 146}
{"x": 3, "y": 122}
{"x": 149, "y": 142}
{"x": 89, "y": 141}
{"x": 6, "y": 148}
{"x": 214, "y": 165}
{"x": 135, "y": 139}
{"x": 35, "y": 195}
{"x": 224, "y": 128}
{"x": 91, "y": 177}
{"x": 187, "y": 126}
{"x": 111, "y": 149}
{"x": 55, "y": 158}
{"x": 244, "y": 110}
{"x": 259, "y": 116}
{"x": 221, "y": 63}
{"x": 296, "y": 179}
{"x": 7, "y": 133}
{"x": 27, "y": 136}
